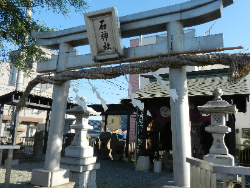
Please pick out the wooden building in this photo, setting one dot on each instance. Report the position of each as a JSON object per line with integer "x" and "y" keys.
{"x": 201, "y": 85}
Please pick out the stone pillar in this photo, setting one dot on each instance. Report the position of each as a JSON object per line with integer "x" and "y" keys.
{"x": 38, "y": 145}
{"x": 104, "y": 152}
{"x": 157, "y": 166}
{"x": 179, "y": 109}
{"x": 117, "y": 147}
{"x": 143, "y": 162}
{"x": 127, "y": 138}
{"x": 52, "y": 175}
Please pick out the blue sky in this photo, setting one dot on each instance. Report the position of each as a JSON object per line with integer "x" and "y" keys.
{"x": 234, "y": 24}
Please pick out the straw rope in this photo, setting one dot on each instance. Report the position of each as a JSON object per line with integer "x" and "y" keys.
{"x": 239, "y": 67}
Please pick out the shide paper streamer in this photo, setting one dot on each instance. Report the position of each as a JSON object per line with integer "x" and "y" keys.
{"x": 104, "y": 105}
{"x": 83, "y": 102}
{"x": 135, "y": 102}
{"x": 172, "y": 92}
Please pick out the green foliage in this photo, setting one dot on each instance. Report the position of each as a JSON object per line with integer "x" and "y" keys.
{"x": 248, "y": 134}
{"x": 15, "y": 27}
{"x": 62, "y": 6}
{"x": 244, "y": 155}
{"x": 26, "y": 55}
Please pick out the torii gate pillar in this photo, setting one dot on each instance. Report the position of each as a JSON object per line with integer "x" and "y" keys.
{"x": 60, "y": 95}
{"x": 179, "y": 109}
{"x": 51, "y": 175}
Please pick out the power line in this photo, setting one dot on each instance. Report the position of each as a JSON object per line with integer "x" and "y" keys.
{"x": 210, "y": 28}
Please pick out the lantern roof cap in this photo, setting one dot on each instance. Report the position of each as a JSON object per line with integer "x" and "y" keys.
{"x": 217, "y": 105}
{"x": 82, "y": 108}
{"x": 78, "y": 110}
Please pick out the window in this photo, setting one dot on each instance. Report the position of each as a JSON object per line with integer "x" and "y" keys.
{"x": 13, "y": 72}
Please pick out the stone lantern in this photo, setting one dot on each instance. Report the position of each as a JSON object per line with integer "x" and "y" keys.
{"x": 79, "y": 155}
{"x": 218, "y": 109}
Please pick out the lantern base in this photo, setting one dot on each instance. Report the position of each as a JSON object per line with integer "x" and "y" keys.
{"x": 78, "y": 151}
{"x": 227, "y": 160}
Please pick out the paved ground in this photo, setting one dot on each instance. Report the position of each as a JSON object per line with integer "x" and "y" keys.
{"x": 112, "y": 174}
{"x": 116, "y": 174}
{"x": 165, "y": 181}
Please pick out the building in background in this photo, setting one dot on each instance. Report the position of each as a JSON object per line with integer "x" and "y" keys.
{"x": 113, "y": 122}
{"x": 141, "y": 86}
{"x": 95, "y": 132}
{"x": 29, "y": 118}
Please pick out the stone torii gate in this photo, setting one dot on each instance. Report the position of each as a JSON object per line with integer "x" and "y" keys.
{"x": 171, "y": 19}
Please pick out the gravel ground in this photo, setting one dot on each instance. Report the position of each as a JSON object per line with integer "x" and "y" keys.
{"x": 112, "y": 174}
{"x": 20, "y": 173}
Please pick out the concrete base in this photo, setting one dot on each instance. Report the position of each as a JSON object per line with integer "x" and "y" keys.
{"x": 67, "y": 185}
{"x": 84, "y": 179}
{"x": 81, "y": 168}
{"x": 78, "y": 161}
{"x": 45, "y": 178}
{"x": 157, "y": 166}
{"x": 227, "y": 160}
{"x": 79, "y": 152}
{"x": 13, "y": 162}
{"x": 162, "y": 182}
{"x": 143, "y": 164}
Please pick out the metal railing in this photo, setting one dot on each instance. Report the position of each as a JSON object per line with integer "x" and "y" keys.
{"x": 203, "y": 173}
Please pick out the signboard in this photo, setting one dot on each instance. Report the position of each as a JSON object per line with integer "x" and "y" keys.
{"x": 103, "y": 30}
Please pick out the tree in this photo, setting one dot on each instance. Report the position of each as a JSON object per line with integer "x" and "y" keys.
{"x": 15, "y": 27}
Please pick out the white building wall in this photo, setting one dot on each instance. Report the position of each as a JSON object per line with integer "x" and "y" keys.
{"x": 44, "y": 90}
{"x": 32, "y": 116}
{"x": 242, "y": 121}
